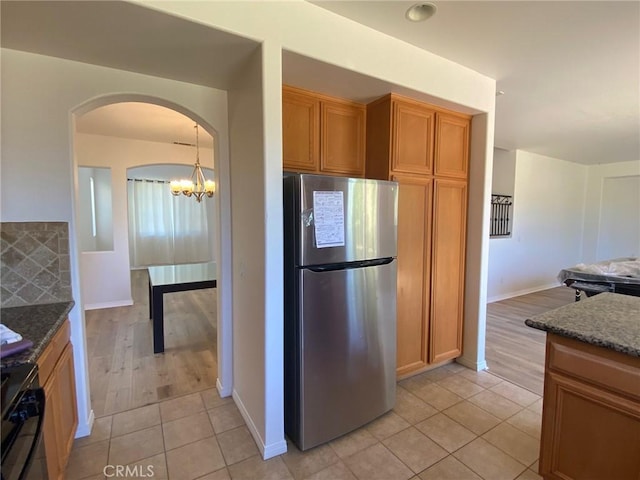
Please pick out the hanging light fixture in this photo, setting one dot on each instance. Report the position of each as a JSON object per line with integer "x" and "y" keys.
{"x": 198, "y": 186}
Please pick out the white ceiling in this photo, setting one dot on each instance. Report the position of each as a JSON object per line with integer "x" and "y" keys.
{"x": 570, "y": 70}
{"x": 142, "y": 121}
{"x": 127, "y": 37}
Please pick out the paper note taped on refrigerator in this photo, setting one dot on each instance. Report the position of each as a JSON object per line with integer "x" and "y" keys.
{"x": 328, "y": 212}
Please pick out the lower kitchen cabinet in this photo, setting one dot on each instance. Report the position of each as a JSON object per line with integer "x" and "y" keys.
{"x": 591, "y": 412}
{"x": 57, "y": 377}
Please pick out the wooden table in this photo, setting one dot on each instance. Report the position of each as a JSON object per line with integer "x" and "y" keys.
{"x": 174, "y": 278}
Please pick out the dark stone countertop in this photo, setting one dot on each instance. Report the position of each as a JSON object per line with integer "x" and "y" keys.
{"x": 608, "y": 320}
{"x": 37, "y": 323}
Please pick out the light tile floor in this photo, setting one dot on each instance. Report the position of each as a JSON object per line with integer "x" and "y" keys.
{"x": 448, "y": 423}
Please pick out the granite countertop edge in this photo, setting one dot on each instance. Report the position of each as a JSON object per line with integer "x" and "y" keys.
{"x": 564, "y": 332}
{"x": 38, "y": 323}
{"x": 608, "y": 320}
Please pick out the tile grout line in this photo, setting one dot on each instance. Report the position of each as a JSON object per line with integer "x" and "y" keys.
{"x": 380, "y": 441}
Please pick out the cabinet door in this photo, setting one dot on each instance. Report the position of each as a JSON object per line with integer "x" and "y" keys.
{"x": 452, "y": 146}
{"x": 588, "y": 432}
{"x": 300, "y": 131}
{"x": 414, "y": 245}
{"x": 342, "y": 150}
{"x": 66, "y": 411}
{"x": 50, "y": 429}
{"x": 412, "y": 138}
{"x": 448, "y": 268}
{"x": 61, "y": 417}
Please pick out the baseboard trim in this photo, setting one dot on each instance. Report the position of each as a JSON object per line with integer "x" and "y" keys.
{"x": 84, "y": 429}
{"x": 267, "y": 451}
{"x": 504, "y": 296}
{"x": 274, "y": 449}
{"x": 117, "y": 303}
{"x": 473, "y": 365}
{"x": 223, "y": 391}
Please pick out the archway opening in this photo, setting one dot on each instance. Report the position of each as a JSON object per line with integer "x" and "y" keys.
{"x": 121, "y": 144}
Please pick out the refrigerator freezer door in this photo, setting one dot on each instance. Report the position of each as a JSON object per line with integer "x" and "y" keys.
{"x": 348, "y": 350}
{"x": 345, "y": 219}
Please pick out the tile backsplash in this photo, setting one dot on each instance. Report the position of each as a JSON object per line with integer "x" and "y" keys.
{"x": 34, "y": 263}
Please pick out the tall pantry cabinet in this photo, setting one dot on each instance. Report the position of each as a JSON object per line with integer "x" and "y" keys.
{"x": 426, "y": 150}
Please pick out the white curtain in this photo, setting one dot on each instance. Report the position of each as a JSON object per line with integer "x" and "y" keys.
{"x": 166, "y": 230}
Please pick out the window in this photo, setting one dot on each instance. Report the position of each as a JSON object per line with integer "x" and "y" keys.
{"x": 95, "y": 209}
{"x": 166, "y": 230}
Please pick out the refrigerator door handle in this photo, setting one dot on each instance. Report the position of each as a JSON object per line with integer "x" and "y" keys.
{"x": 349, "y": 265}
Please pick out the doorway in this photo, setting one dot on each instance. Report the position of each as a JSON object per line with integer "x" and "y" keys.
{"x": 123, "y": 371}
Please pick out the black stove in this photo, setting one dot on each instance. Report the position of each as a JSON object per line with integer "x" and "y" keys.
{"x": 15, "y": 379}
{"x": 23, "y": 406}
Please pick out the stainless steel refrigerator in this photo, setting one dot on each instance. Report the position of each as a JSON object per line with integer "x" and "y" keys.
{"x": 340, "y": 304}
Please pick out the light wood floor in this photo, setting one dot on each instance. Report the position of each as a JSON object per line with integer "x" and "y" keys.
{"x": 124, "y": 372}
{"x": 514, "y": 351}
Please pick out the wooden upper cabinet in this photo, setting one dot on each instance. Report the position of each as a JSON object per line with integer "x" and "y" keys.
{"x": 412, "y": 139}
{"x": 447, "y": 269}
{"x": 342, "y": 128}
{"x": 400, "y": 137}
{"x": 322, "y": 134}
{"x": 452, "y": 145}
{"x": 300, "y": 131}
{"x": 378, "y": 164}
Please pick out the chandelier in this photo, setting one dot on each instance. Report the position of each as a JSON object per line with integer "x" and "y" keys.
{"x": 198, "y": 186}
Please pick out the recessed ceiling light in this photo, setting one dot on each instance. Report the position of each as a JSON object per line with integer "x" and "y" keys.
{"x": 421, "y": 12}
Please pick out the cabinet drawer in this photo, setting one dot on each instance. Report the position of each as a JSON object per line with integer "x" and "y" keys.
{"x": 596, "y": 365}
{"x": 49, "y": 356}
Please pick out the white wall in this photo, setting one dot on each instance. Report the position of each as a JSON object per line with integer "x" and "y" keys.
{"x": 106, "y": 280}
{"x": 548, "y": 215}
{"x": 563, "y": 215}
{"x": 619, "y": 232}
{"x": 477, "y": 254}
{"x": 39, "y": 95}
{"x": 596, "y": 203}
{"x": 302, "y": 27}
{"x": 247, "y": 180}
{"x": 296, "y": 26}
{"x": 504, "y": 172}
{"x": 258, "y": 337}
